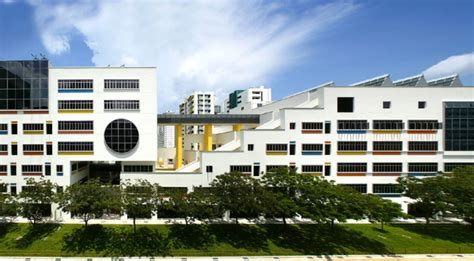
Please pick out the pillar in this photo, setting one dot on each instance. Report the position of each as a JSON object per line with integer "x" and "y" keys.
{"x": 236, "y": 127}
{"x": 178, "y": 132}
{"x": 207, "y": 137}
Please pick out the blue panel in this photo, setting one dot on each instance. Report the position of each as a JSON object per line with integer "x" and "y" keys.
{"x": 74, "y": 91}
{"x": 312, "y": 153}
{"x": 59, "y": 174}
{"x": 351, "y": 132}
{"x": 3, "y": 132}
{"x": 422, "y": 174}
{"x": 390, "y": 195}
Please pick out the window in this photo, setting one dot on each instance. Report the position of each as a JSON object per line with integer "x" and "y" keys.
{"x": 3, "y": 128}
{"x": 327, "y": 149}
{"x": 121, "y": 136}
{"x": 312, "y": 125}
{"x": 421, "y": 104}
{"x": 387, "y": 145}
{"x": 47, "y": 170}
{"x": 33, "y": 126}
{"x": 312, "y": 147}
{"x": 250, "y": 147}
{"x": 386, "y": 104}
{"x": 137, "y": 168}
{"x": 32, "y": 147}
{"x": 327, "y": 127}
{"x": 449, "y": 167}
{"x": 423, "y": 145}
{"x": 3, "y": 169}
{"x": 132, "y": 84}
{"x": 387, "y": 167}
{"x": 13, "y": 190}
{"x": 75, "y": 125}
{"x": 352, "y": 145}
{"x": 277, "y": 147}
{"x": 49, "y": 149}
{"x": 312, "y": 168}
{"x": 352, "y": 125}
{"x": 459, "y": 129}
{"x": 292, "y": 148}
{"x": 75, "y": 85}
{"x": 327, "y": 170}
{"x": 274, "y": 168}
{"x": 3, "y": 149}
{"x": 423, "y": 167}
{"x": 292, "y": 125}
{"x": 32, "y": 169}
{"x": 345, "y": 104}
{"x": 76, "y": 105}
{"x": 361, "y": 188}
{"x": 14, "y": 128}
{"x": 241, "y": 168}
{"x": 386, "y": 189}
{"x": 14, "y": 149}
{"x": 209, "y": 169}
{"x": 121, "y": 105}
{"x": 351, "y": 167}
{"x": 59, "y": 170}
{"x": 12, "y": 170}
{"x": 75, "y": 146}
{"x": 388, "y": 125}
{"x": 49, "y": 128}
{"x": 424, "y": 125}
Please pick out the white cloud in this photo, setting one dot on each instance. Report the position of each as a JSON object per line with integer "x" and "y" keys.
{"x": 205, "y": 45}
{"x": 461, "y": 64}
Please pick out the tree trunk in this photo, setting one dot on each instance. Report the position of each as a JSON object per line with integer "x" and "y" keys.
{"x": 236, "y": 220}
{"x": 284, "y": 220}
{"x": 186, "y": 220}
{"x": 332, "y": 224}
{"x": 427, "y": 222}
{"x": 86, "y": 221}
{"x": 134, "y": 226}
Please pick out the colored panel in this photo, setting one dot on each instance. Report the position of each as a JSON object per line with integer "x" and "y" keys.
{"x": 313, "y": 174}
{"x": 387, "y": 174}
{"x": 312, "y": 153}
{"x": 33, "y": 153}
{"x": 389, "y": 195}
{"x": 35, "y": 112}
{"x": 75, "y": 111}
{"x": 351, "y": 152}
{"x": 422, "y": 174}
{"x": 8, "y": 112}
{"x": 350, "y": 174}
{"x": 3, "y": 152}
{"x": 67, "y": 153}
{"x": 208, "y": 137}
{"x": 421, "y": 153}
{"x": 76, "y": 132}
{"x": 351, "y": 132}
{"x": 311, "y": 131}
{"x": 387, "y": 153}
{"x": 387, "y": 131}
{"x": 3, "y": 173}
{"x": 236, "y": 127}
{"x": 179, "y": 146}
{"x": 33, "y": 132}
{"x": 74, "y": 91}
{"x": 421, "y": 131}
{"x": 276, "y": 153}
{"x": 3, "y": 132}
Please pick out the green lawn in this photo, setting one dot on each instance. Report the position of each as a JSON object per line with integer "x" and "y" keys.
{"x": 220, "y": 240}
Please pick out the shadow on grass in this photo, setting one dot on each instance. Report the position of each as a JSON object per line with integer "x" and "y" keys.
{"x": 35, "y": 232}
{"x": 321, "y": 240}
{"x": 249, "y": 237}
{"x": 6, "y": 227}
{"x": 191, "y": 237}
{"x": 456, "y": 233}
{"x": 116, "y": 242}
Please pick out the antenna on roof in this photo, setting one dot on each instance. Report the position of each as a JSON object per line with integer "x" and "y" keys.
{"x": 43, "y": 57}
{"x": 34, "y": 56}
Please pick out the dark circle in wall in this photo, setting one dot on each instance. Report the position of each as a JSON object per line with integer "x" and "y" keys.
{"x": 121, "y": 136}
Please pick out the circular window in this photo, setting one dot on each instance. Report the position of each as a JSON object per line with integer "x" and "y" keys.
{"x": 121, "y": 135}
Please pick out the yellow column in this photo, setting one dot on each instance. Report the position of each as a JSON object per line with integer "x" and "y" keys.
{"x": 207, "y": 137}
{"x": 178, "y": 132}
{"x": 236, "y": 127}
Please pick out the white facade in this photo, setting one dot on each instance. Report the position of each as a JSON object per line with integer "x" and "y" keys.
{"x": 197, "y": 103}
{"x": 248, "y": 100}
{"x": 166, "y": 138}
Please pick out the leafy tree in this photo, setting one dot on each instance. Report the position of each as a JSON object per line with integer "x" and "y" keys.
{"x": 381, "y": 210}
{"x": 89, "y": 200}
{"x": 34, "y": 201}
{"x": 137, "y": 200}
{"x": 460, "y": 193}
{"x": 201, "y": 204}
{"x": 428, "y": 193}
{"x": 7, "y": 205}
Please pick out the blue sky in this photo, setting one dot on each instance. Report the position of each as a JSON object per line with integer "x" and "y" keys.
{"x": 226, "y": 45}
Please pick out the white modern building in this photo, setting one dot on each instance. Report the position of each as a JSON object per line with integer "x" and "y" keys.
{"x": 166, "y": 138}
{"x": 243, "y": 101}
{"x": 197, "y": 103}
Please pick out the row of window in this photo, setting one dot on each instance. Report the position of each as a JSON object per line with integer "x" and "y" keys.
{"x": 75, "y": 84}
{"x": 88, "y": 84}
{"x": 33, "y": 126}
{"x": 75, "y": 125}
{"x": 376, "y": 188}
{"x": 32, "y": 169}
{"x": 124, "y": 105}
{"x": 33, "y": 147}
{"x": 76, "y": 105}
{"x": 387, "y": 167}
{"x": 75, "y": 146}
{"x": 132, "y": 84}
{"x": 108, "y": 105}
{"x": 137, "y": 168}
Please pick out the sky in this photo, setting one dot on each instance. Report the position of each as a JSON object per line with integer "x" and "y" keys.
{"x": 221, "y": 46}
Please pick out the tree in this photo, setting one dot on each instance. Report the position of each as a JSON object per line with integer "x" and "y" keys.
{"x": 137, "y": 200}
{"x": 201, "y": 204}
{"x": 428, "y": 193}
{"x": 7, "y": 205}
{"x": 89, "y": 200}
{"x": 236, "y": 193}
{"x": 382, "y": 210}
{"x": 34, "y": 201}
{"x": 460, "y": 193}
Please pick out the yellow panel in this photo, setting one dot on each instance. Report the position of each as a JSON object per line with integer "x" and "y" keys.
{"x": 76, "y": 111}
{"x": 67, "y": 153}
{"x": 236, "y": 127}
{"x": 33, "y": 132}
{"x": 276, "y": 153}
{"x": 208, "y": 137}
{"x": 178, "y": 161}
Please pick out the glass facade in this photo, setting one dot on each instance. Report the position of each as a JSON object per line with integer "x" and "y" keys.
{"x": 459, "y": 126}
{"x": 24, "y": 85}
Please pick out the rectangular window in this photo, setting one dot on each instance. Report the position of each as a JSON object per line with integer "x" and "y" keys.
{"x": 292, "y": 125}
{"x": 3, "y": 169}
{"x": 47, "y": 170}
{"x": 292, "y": 148}
{"x": 386, "y": 189}
{"x": 388, "y": 125}
{"x": 14, "y": 128}
{"x": 312, "y": 169}
{"x": 274, "y": 168}
{"x": 352, "y": 125}
{"x": 59, "y": 170}
{"x": 327, "y": 149}
{"x": 209, "y": 169}
{"x": 14, "y": 149}
{"x": 312, "y": 148}
{"x": 33, "y": 127}
{"x": 33, "y": 149}
{"x": 388, "y": 145}
{"x": 277, "y": 147}
{"x": 49, "y": 128}
{"x": 13, "y": 190}
{"x": 421, "y": 104}
{"x": 352, "y": 145}
{"x": 422, "y": 145}
{"x": 327, "y": 170}
{"x": 245, "y": 169}
{"x": 423, "y": 125}
{"x": 75, "y": 126}
{"x": 361, "y": 188}
{"x": 250, "y": 147}
{"x": 327, "y": 127}
{"x": 32, "y": 169}
{"x": 459, "y": 126}
{"x": 131, "y": 84}
{"x": 387, "y": 167}
{"x": 49, "y": 149}
{"x": 449, "y": 167}
{"x": 75, "y": 85}
{"x": 76, "y": 105}
{"x": 3, "y": 149}
{"x": 3, "y": 128}
{"x": 423, "y": 167}
{"x": 386, "y": 104}
{"x": 312, "y": 125}
{"x": 75, "y": 146}
{"x": 12, "y": 170}
{"x": 138, "y": 168}
{"x": 345, "y": 104}
{"x": 351, "y": 167}
{"x": 121, "y": 105}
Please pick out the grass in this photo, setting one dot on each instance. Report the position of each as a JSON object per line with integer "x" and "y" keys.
{"x": 226, "y": 240}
